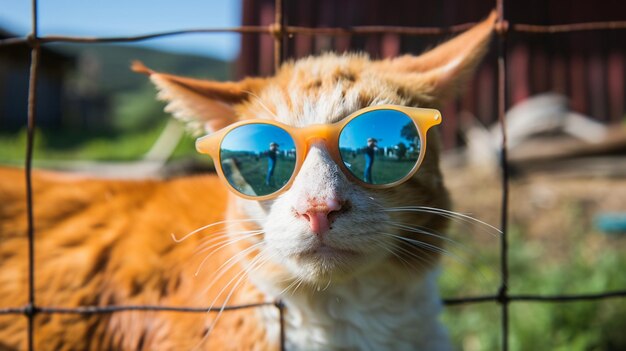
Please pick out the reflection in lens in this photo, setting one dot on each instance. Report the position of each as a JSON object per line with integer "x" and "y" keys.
{"x": 380, "y": 147}
{"x": 258, "y": 159}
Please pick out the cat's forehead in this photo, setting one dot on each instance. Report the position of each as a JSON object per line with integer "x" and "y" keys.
{"x": 325, "y": 68}
{"x": 320, "y": 90}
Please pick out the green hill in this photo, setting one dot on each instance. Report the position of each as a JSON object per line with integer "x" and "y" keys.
{"x": 113, "y": 61}
{"x": 118, "y": 99}
{"x": 110, "y": 112}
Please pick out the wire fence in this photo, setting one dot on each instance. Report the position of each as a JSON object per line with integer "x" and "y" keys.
{"x": 279, "y": 31}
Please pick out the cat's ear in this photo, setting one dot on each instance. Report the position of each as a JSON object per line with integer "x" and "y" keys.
{"x": 442, "y": 71}
{"x": 205, "y": 106}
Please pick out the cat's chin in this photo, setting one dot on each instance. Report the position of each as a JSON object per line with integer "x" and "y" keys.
{"x": 326, "y": 263}
{"x": 326, "y": 252}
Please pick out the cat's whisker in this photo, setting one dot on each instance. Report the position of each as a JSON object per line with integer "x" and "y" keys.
{"x": 424, "y": 231}
{"x": 241, "y": 272}
{"x": 224, "y": 233}
{"x": 292, "y": 284}
{"x": 297, "y": 286}
{"x": 227, "y": 262}
{"x": 384, "y": 247}
{"x": 375, "y": 202}
{"x": 213, "y": 323}
{"x": 217, "y": 239}
{"x": 288, "y": 278}
{"x": 330, "y": 278}
{"x": 446, "y": 213}
{"x": 195, "y": 231}
{"x": 459, "y": 217}
{"x": 424, "y": 245}
{"x": 223, "y": 245}
{"x": 424, "y": 262}
{"x": 236, "y": 276}
{"x": 442, "y": 212}
{"x": 256, "y": 263}
{"x": 203, "y": 243}
{"x": 213, "y": 242}
{"x": 429, "y": 232}
{"x": 247, "y": 270}
{"x": 442, "y": 251}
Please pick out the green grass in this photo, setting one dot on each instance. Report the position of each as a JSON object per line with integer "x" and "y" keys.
{"x": 536, "y": 269}
{"x": 104, "y": 146}
{"x": 254, "y": 171}
{"x": 384, "y": 170}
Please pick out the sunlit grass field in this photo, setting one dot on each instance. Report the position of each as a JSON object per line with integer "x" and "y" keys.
{"x": 554, "y": 249}
{"x": 382, "y": 169}
{"x": 51, "y": 145}
{"x": 254, "y": 171}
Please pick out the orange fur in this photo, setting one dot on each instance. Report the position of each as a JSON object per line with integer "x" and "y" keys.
{"x": 102, "y": 242}
{"x": 105, "y": 242}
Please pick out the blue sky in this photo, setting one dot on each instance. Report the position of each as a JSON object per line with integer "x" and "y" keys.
{"x": 383, "y": 125}
{"x": 132, "y": 17}
{"x": 257, "y": 138}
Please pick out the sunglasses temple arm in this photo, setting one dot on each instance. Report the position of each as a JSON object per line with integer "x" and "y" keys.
{"x": 207, "y": 144}
{"x": 427, "y": 117}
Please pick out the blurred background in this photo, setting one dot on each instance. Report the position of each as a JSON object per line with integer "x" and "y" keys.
{"x": 565, "y": 114}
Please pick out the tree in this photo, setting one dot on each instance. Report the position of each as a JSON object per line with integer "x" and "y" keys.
{"x": 401, "y": 150}
{"x": 409, "y": 132}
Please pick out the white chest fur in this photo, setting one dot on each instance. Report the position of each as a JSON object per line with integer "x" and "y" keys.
{"x": 379, "y": 311}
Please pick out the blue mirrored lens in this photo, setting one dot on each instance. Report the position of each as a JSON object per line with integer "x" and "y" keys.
{"x": 258, "y": 159}
{"x": 380, "y": 147}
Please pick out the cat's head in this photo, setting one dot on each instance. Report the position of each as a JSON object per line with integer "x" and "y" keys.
{"x": 325, "y": 225}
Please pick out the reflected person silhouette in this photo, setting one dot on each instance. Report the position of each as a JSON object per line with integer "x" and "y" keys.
{"x": 370, "y": 151}
{"x": 271, "y": 163}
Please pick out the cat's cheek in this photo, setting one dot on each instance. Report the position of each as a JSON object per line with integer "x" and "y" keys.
{"x": 284, "y": 233}
{"x": 249, "y": 210}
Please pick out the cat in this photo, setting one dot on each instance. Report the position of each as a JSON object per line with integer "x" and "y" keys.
{"x": 107, "y": 242}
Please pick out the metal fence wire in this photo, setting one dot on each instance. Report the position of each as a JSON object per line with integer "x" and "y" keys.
{"x": 279, "y": 31}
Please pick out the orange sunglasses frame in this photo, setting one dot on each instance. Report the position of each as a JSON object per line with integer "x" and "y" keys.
{"x": 424, "y": 119}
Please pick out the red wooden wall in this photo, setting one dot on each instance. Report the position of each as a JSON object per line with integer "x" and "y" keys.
{"x": 589, "y": 67}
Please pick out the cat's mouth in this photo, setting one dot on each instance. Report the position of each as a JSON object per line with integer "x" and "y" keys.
{"x": 324, "y": 251}
{"x": 322, "y": 262}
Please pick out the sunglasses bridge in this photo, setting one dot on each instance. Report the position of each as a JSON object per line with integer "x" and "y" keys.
{"x": 315, "y": 133}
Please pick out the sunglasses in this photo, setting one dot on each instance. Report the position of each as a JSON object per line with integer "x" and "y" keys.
{"x": 376, "y": 147}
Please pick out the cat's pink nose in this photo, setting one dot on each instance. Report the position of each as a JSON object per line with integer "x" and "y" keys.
{"x": 321, "y": 214}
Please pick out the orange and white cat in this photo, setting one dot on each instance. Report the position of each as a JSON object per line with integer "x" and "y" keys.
{"x": 361, "y": 284}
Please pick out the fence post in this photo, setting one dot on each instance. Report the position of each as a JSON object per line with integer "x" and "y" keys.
{"x": 278, "y": 31}
{"x": 501, "y": 29}
{"x": 31, "y": 308}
